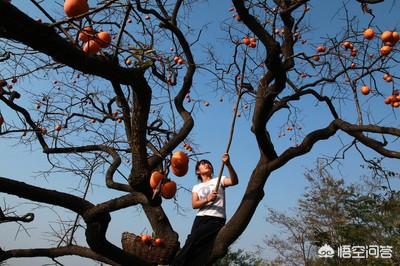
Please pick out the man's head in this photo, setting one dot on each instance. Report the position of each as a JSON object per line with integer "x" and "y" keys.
{"x": 204, "y": 167}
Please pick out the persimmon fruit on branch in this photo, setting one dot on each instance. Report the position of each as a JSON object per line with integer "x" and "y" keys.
{"x": 155, "y": 179}
{"x": 369, "y": 33}
{"x": 75, "y": 8}
{"x": 179, "y": 163}
{"x": 168, "y": 189}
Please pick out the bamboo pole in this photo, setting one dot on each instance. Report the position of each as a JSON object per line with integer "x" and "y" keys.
{"x": 228, "y": 146}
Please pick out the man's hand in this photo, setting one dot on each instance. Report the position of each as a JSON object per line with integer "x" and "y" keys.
{"x": 212, "y": 196}
{"x": 225, "y": 159}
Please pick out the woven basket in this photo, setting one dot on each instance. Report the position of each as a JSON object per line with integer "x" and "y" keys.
{"x": 161, "y": 254}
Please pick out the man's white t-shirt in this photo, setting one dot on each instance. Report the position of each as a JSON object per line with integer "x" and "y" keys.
{"x": 215, "y": 208}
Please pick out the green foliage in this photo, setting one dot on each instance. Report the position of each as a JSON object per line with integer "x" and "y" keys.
{"x": 240, "y": 258}
{"x": 336, "y": 214}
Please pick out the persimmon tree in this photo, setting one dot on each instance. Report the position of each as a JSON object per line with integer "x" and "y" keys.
{"x": 117, "y": 81}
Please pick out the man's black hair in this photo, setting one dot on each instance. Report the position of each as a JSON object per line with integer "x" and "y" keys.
{"x": 197, "y": 167}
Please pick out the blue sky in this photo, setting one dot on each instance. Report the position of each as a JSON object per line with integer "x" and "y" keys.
{"x": 210, "y": 133}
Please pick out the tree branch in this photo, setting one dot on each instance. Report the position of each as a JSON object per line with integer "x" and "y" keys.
{"x": 17, "y": 26}
{"x": 370, "y": 1}
{"x": 38, "y": 194}
{"x": 54, "y": 253}
{"x": 27, "y": 218}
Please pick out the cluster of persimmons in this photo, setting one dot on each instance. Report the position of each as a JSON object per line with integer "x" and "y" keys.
{"x": 179, "y": 165}
{"x": 389, "y": 40}
{"x": 250, "y": 42}
{"x": 150, "y": 240}
{"x": 93, "y": 40}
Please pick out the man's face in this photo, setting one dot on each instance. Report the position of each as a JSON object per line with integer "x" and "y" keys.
{"x": 205, "y": 169}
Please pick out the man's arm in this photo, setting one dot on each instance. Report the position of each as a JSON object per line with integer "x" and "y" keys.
{"x": 232, "y": 180}
{"x": 198, "y": 203}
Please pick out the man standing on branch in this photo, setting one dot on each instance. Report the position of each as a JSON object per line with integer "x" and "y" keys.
{"x": 211, "y": 216}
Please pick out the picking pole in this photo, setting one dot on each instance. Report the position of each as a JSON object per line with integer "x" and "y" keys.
{"x": 228, "y": 146}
